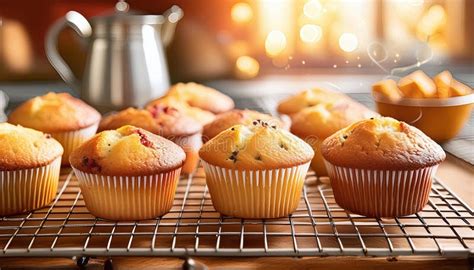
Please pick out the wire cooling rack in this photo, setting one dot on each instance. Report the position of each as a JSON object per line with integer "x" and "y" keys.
{"x": 193, "y": 228}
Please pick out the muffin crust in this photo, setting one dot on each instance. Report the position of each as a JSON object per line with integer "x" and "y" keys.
{"x": 54, "y": 112}
{"x": 202, "y": 116}
{"x": 324, "y": 119}
{"x": 308, "y": 98}
{"x": 164, "y": 120}
{"x": 25, "y": 148}
{"x": 235, "y": 117}
{"x": 127, "y": 151}
{"x": 203, "y": 97}
{"x": 382, "y": 143}
{"x": 256, "y": 147}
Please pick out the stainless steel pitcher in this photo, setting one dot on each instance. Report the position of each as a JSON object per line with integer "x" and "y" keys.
{"x": 126, "y": 64}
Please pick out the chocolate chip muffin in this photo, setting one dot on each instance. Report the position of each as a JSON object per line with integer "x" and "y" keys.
{"x": 255, "y": 171}
{"x": 235, "y": 117}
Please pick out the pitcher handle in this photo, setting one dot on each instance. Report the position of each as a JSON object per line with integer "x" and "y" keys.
{"x": 82, "y": 27}
{"x": 172, "y": 17}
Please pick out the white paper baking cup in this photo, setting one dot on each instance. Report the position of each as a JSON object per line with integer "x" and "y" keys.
{"x": 28, "y": 189}
{"x": 255, "y": 193}
{"x": 70, "y": 140}
{"x": 381, "y": 193}
{"x": 191, "y": 145}
{"x": 128, "y": 197}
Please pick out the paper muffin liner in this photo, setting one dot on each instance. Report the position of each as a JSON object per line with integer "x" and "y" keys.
{"x": 128, "y": 197}
{"x": 70, "y": 140}
{"x": 28, "y": 189}
{"x": 191, "y": 145}
{"x": 381, "y": 193}
{"x": 255, "y": 193}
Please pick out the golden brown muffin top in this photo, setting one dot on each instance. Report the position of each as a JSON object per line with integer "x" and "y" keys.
{"x": 54, "y": 112}
{"x": 382, "y": 143}
{"x": 324, "y": 119}
{"x": 203, "y": 97}
{"x": 308, "y": 98}
{"x": 25, "y": 148}
{"x": 228, "y": 119}
{"x": 127, "y": 151}
{"x": 165, "y": 121}
{"x": 256, "y": 147}
{"x": 200, "y": 115}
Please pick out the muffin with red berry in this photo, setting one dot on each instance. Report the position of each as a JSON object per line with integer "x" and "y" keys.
{"x": 165, "y": 121}
{"x": 128, "y": 173}
{"x": 200, "y": 115}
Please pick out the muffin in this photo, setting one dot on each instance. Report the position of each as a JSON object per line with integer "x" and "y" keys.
{"x": 128, "y": 173}
{"x": 203, "y": 97}
{"x": 314, "y": 124}
{"x": 165, "y": 121}
{"x": 200, "y": 115}
{"x": 30, "y": 162}
{"x": 255, "y": 171}
{"x": 236, "y": 117}
{"x": 308, "y": 98}
{"x": 381, "y": 167}
{"x": 69, "y": 120}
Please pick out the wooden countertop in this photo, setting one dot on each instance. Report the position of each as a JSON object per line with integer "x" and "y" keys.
{"x": 454, "y": 173}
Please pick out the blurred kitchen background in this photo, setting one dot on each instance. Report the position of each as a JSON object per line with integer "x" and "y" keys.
{"x": 261, "y": 48}
{"x": 227, "y": 39}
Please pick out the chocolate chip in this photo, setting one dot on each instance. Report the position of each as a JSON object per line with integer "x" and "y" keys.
{"x": 282, "y": 145}
{"x": 254, "y": 122}
{"x": 233, "y": 156}
{"x": 48, "y": 136}
{"x": 345, "y": 136}
{"x": 232, "y": 129}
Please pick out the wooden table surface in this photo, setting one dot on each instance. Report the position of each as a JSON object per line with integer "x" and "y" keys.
{"x": 456, "y": 174}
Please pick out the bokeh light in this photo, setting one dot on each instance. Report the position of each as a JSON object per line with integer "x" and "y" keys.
{"x": 310, "y": 33}
{"x": 432, "y": 21}
{"x": 312, "y": 9}
{"x": 241, "y": 12}
{"x": 348, "y": 42}
{"x": 247, "y": 67}
{"x": 275, "y": 43}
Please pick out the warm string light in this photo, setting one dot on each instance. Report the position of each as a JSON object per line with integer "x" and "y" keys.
{"x": 241, "y": 13}
{"x": 275, "y": 43}
{"x": 312, "y": 9}
{"x": 310, "y": 33}
{"x": 348, "y": 42}
{"x": 247, "y": 67}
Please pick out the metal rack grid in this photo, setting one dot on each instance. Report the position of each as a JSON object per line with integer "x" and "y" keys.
{"x": 318, "y": 227}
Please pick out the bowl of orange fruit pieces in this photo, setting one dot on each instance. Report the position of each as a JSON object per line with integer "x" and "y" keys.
{"x": 439, "y": 106}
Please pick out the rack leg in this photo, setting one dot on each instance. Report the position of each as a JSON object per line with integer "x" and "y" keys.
{"x": 190, "y": 264}
{"x": 82, "y": 262}
{"x": 108, "y": 265}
